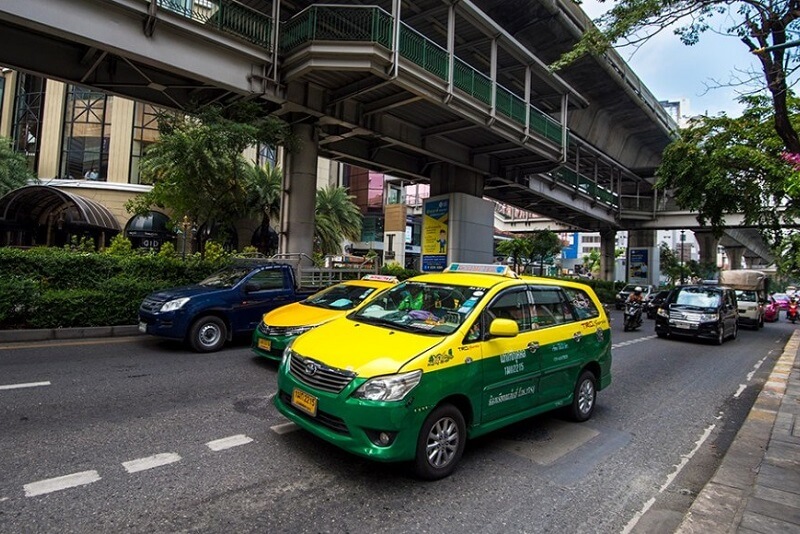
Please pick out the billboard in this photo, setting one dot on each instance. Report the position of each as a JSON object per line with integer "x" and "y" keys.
{"x": 435, "y": 218}
{"x": 639, "y": 265}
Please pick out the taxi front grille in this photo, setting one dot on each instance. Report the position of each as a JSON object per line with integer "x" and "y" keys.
{"x": 322, "y": 418}
{"x": 319, "y": 376}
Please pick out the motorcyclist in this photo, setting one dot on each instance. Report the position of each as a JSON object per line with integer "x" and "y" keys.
{"x": 636, "y": 296}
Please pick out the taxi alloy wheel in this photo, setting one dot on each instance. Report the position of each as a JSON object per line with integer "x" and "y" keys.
{"x": 208, "y": 334}
{"x": 440, "y": 443}
{"x": 584, "y": 397}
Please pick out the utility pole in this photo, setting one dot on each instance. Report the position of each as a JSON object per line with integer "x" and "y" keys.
{"x": 683, "y": 243}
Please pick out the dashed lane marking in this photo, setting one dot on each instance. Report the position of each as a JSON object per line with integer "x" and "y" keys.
{"x": 739, "y": 391}
{"x": 632, "y": 341}
{"x": 284, "y": 428}
{"x": 27, "y": 385}
{"x": 227, "y": 443}
{"x": 60, "y": 483}
{"x": 157, "y": 460}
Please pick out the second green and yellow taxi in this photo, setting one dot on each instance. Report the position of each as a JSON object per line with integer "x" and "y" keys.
{"x": 442, "y": 357}
{"x": 280, "y": 326}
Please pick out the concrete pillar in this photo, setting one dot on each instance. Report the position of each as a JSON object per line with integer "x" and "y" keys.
{"x": 608, "y": 259}
{"x": 734, "y": 257}
{"x": 457, "y": 214}
{"x": 708, "y": 244}
{"x": 51, "y": 130}
{"x": 642, "y": 238}
{"x": 299, "y": 193}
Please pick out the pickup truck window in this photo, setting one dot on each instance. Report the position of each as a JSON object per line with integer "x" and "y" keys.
{"x": 268, "y": 279}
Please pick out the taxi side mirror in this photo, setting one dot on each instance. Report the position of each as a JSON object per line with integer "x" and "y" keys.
{"x": 503, "y": 328}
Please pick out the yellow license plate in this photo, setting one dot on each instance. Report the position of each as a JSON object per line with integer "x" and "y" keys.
{"x": 304, "y": 401}
{"x": 265, "y": 344}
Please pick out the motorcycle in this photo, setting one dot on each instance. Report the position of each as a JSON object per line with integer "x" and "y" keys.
{"x": 791, "y": 312}
{"x": 632, "y": 318}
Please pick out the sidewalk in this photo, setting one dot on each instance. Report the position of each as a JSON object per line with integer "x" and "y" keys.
{"x": 757, "y": 486}
{"x": 48, "y": 334}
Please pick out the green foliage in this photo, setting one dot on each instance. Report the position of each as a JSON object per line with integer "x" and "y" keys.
{"x": 263, "y": 191}
{"x": 214, "y": 253}
{"x": 80, "y": 244}
{"x": 14, "y": 171}
{"x": 517, "y": 249}
{"x": 167, "y": 250}
{"x": 545, "y": 245}
{"x": 395, "y": 269}
{"x": 57, "y": 288}
{"x": 120, "y": 246}
{"x": 197, "y": 167}
{"x": 336, "y": 218}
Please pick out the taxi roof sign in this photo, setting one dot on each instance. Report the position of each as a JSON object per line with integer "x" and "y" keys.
{"x": 482, "y": 268}
{"x": 380, "y": 278}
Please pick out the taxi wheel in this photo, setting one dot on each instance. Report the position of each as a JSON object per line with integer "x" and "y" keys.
{"x": 208, "y": 334}
{"x": 440, "y": 443}
{"x": 583, "y": 398}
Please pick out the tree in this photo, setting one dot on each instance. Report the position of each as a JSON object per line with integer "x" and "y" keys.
{"x": 517, "y": 249}
{"x": 197, "y": 167}
{"x": 591, "y": 262}
{"x": 263, "y": 190}
{"x": 14, "y": 171}
{"x": 722, "y": 165}
{"x": 545, "y": 244}
{"x": 756, "y": 24}
{"x": 336, "y": 218}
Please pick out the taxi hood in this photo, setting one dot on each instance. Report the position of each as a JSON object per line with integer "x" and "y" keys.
{"x": 362, "y": 348}
{"x": 300, "y": 315}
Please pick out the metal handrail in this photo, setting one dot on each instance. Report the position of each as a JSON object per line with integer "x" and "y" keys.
{"x": 227, "y": 16}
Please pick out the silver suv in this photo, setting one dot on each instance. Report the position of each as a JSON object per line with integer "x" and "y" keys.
{"x": 622, "y": 296}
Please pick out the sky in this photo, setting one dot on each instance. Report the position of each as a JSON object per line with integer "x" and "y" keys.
{"x": 690, "y": 74}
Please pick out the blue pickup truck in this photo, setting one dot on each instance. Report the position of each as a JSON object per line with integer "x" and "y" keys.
{"x": 227, "y": 303}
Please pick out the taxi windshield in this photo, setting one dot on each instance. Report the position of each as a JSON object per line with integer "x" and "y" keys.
{"x": 339, "y": 297}
{"x": 422, "y": 307}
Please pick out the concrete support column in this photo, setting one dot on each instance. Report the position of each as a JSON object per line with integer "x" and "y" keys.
{"x": 708, "y": 244}
{"x": 451, "y": 179}
{"x": 734, "y": 257}
{"x": 299, "y": 193}
{"x": 641, "y": 238}
{"x": 608, "y": 260}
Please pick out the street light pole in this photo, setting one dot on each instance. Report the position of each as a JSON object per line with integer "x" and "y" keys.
{"x": 186, "y": 224}
{"x": 683, "y": 241}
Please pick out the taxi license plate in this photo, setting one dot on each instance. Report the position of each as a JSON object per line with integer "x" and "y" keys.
{"x": 304, "y": 401}
{"x": 143, "y": 328}
{"x": 265, "y": 344}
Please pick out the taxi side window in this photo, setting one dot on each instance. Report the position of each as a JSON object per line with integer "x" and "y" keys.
{"x": 513, "y": 305}
{"x": 581, "y": 303}
{"x": 550, "y": 307}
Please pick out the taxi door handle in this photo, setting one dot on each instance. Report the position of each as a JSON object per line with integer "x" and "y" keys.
{"x": 533, "y": 346}
{"x": 577, "y": 336}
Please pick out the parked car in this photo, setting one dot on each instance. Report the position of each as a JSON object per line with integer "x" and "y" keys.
{"x": 655, "y": 301}
{"x": 484, "y": 348}
{"x": 622, "y": 295}
{"x": 699, "y": 311}
{"x": 280, "y": 326}
{"x": 772, "y": 310}
{"x": 229, "y": 302}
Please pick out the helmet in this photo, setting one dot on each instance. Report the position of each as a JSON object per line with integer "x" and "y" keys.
{"x": 637, "y": 290}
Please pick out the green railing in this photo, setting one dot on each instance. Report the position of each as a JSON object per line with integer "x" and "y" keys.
{"x": 586, "y": 186}
{"x": 472, "y": 82}
{"x": 226, "y": 16}
{"x": 422, "y": 51}
{"x": 337, "y": 23}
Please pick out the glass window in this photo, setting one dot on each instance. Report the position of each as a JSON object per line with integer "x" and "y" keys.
{"x": 87, "y": 135}
{"x": 339, "y": 297}
{"x": 28, "y": 113}
{"x": 268, "y": 279}
{"x": 550, "y": 307}
{"x": 266, "y": 154}
{"x": 513, "y": 305}
{"x": 2, "y": 93}
{"x": 581, "y": 303}
{"x": 145, "y": 133}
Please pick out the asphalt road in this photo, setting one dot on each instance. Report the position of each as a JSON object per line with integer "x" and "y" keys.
{"x": 140, "y": 435}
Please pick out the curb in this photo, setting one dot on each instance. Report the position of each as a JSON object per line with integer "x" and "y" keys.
{"x": 721, "y": 504}
{"x": 49, "y": 334}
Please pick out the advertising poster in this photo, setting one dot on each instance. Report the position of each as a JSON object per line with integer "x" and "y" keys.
{"x": 639, "y": 266}
{"x": 435, "y": 234}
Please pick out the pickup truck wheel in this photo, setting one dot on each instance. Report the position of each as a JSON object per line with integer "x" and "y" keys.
{"x": 208, "y": 334}
{"x": 440, "y": 443}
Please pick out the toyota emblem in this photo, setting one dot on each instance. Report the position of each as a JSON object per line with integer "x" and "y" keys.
{"x": 311, "y": 368}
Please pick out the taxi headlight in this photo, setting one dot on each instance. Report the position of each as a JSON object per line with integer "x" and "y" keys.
{"x": 297, "y": 330}
{"x": 173, "y": 305}
{"x": 287, "y": 353}
{"x": 388, "y": 388}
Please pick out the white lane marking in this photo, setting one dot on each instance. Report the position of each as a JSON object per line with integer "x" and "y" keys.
{"x": 227, "y": 443}
{"x": 28, "y": 385}
{"x": 757, "y": 366}
{"x": 60, "y": 483}
{"x": 157, "y": 460}
{"x": 284, "y": 428}
{"x": 632, "y": 341}
{"x": 739, "y": 391}
{"x": 4, "y": 499}
{"x": 678, "y": 468}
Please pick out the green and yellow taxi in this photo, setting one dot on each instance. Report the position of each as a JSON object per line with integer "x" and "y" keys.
{"x": 444, "y": 357}
{"x": 280, "y": 326}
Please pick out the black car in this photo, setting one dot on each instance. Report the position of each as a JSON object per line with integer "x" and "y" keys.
{"x": 655, "y": 301}
{"x": 699, "y": 311}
